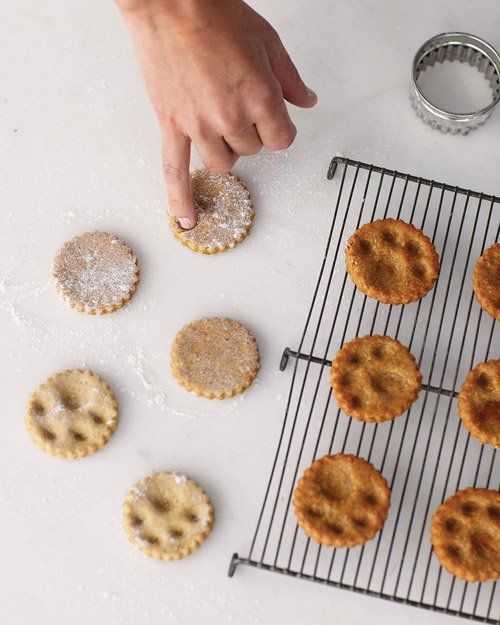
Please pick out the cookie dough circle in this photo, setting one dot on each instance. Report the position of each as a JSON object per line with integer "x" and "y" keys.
{"x": 215, "y": 357}
{"x": 341, "y": 501}
{"x": 167, "y": 516}
{"x": 224, "y": 211}
{"x": 465, "y": 534}
{"x": 72, "y": 414}
{"x": 486, "y": 281}
{"x": 96, "y": 273}
{"x": 375, "y": 378}
{"x": 479, "y": 403}
{"x": 392, "y": 261}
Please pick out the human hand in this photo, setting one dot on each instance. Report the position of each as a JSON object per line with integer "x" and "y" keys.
{"x": 218, "y": 76}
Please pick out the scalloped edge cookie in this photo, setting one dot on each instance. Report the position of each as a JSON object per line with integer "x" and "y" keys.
{"x": 488, "y": 298}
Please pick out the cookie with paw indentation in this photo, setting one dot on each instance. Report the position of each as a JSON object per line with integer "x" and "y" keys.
{"x": 167, "y": 516}
{"x": 392, "y": 261}
{"x": 223, "y": 209}
{"x": 465, "y": 534}
{"x": 375, "y": 378}
{"x": 341, "y": 501}
{"x": 486, "y": 281}
{"x": 72, "y": 414}
{"x": 479, "y": 402}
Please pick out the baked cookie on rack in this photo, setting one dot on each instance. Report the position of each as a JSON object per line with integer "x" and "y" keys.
{"x": 486, "y": 281}
{"x": 341, "y": 501}
{"x": 375, "y": 378}
{"x": 465, "y": 534}
{"x": 479, "y": 402}
{"x": 224, "y": 211}
{"x": 392, "y": 261}
{"x": 215, "y": 357}
{"x": 167, "y": 516}
{"x": 72, "y": 414}
{"x": 95, "y": 273}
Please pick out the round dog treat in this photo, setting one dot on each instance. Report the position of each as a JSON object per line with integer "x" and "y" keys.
{"x": 167, "y": 516}
{"x": 96, "y": 273}
{"x": 224, "y": 211}
{"x": 375, "y": 378}
{"x": 341, "y": 501}
{"x": 486, "y": 281}
{"x": 72, "y": 414}
{"x": 215, "y": 357}
{"x": 465, "y": 534}
{"x": 392, "y": 261}
{"x": 479, "y": 402}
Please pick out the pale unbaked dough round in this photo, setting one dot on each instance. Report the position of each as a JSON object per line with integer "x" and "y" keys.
{"x": 72, "y": 414}
{"x": 96, "y": 273}
{"x": 224, "y": 211}
{"x": 167, "y": 516}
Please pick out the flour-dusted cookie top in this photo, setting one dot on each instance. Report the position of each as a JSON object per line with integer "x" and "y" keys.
{"x": 486, "y": 281}
{"x": 341, "y": 501}
{"x": 96, "y": 273}
{"x": 72, "y": 414}
{"x": 224, "y": 211}
{"x": 215, "y": 357}
{"x": 167, "y": 516}
{"x": 465, "y": 534}
{"x": 375, "y": 378}
{"x": 479, "y": 402}
{"x": 392, "y": 261}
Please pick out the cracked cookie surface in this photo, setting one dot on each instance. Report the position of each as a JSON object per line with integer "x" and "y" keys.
{"x": 479, "y": 402}
{"x": 72, "y": 414}
{"x": 392, "y": 261}
{"x": 341, "y": 501}
{"x": 167, "y": 516}
{"x": 375, "y": 378}
{"x": 224, "y": 212}
{"x": 465, "y": 534}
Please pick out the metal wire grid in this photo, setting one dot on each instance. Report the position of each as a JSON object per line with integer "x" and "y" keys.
{"x": 425, "y": 455}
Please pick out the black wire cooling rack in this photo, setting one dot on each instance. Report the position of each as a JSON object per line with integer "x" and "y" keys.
{"x": 426, "y": 454}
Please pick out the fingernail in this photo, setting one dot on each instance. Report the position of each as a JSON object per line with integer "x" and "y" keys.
{"x": 311, "y": 94}
{"x": 185, "y": 223}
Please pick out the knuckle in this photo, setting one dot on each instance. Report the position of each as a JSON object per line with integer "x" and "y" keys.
{"x": 172, "y": 173}
{"x": 283, "y": 140}
{"x": 266, "y": 102}
{"x": 229, "y": 122}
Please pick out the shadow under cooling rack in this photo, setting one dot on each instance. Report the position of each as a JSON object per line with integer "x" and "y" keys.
{"x": 425, "y": 454}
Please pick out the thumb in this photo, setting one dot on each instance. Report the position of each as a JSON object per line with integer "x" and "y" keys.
{"x": 293, "y": 87}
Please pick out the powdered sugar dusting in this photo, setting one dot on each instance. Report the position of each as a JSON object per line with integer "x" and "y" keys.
{"x": 95, "y": 270}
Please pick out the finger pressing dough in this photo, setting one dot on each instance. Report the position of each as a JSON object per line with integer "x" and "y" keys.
{"x": 215, "y": 357}
{"x": 167, "y": 516}
{"x": 224, "y": 212}
{"x": 96, "y": 273}
{"x": 72, "y": 414}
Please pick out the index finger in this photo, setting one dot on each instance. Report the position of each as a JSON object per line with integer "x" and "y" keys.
{"x": 175, "y": 153}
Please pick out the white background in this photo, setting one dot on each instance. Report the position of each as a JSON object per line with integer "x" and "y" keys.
{"x": 79, "y": 150}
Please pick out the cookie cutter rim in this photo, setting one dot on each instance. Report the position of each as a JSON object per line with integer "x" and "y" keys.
{"x": 461, "y": 47}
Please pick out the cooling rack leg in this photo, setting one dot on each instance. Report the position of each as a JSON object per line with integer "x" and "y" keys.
{"x": 235, "y": 560}
{"x": 284, "y": 358}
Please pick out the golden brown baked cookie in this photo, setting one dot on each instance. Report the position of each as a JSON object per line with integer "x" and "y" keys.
{"x": 392, "y": 261}
{"x": 215, "y": 357}
{"x": 375, "y": 378}
{"x": 341, "y": 501}
{"x": 96, "y": 273}
{"x": 479, "y": 402}
{"x": 72, "y": 414}
{"x": 224, "y": 211}
{"x": 167, "y": 516}
{"x": 465, "y": 534}
{"x": 486, "y": 281}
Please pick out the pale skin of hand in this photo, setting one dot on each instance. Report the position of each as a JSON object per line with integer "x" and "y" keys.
{"x": 218, "y": 76}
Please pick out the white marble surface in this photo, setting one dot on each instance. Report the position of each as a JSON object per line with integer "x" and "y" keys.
{"x": 79, "y": 149}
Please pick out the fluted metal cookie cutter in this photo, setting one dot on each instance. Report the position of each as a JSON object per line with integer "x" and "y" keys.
{"x": 466, "y": 49}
